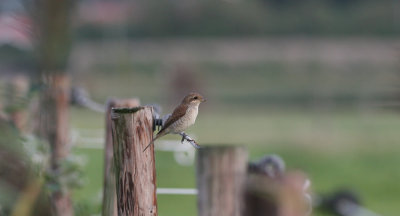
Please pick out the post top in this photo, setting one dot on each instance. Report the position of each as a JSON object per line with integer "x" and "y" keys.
{"x": 122, "y": 110}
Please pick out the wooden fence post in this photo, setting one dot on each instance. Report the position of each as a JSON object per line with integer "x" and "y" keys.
{"x": 109, "y": 194}
{"x": 135, "y": 173}
{"x": 221, "y": 175}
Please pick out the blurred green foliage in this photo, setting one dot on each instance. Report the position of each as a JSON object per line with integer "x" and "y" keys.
{"x": 251, "y": 18}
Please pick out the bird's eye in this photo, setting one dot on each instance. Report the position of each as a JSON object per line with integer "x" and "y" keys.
{"x": 196, "y": 98}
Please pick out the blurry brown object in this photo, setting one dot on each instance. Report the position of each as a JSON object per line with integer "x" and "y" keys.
{"x": 282, "y": 196}
{"x": 54, "y": 128}
{"x": 109, "y": 193}
{"x": 292, "y": 197}
{"x": 135, "y": 171}
{"x": 183, "y": 80}
{"x": 54, "y": 116}
{"x": 221, "y": 176}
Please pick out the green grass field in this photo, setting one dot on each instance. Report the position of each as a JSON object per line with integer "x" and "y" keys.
{"x": 346, "y": 149}
{"x": 315, "y": 102}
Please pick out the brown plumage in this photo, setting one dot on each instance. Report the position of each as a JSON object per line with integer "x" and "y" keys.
{"x": 182, "y": 117}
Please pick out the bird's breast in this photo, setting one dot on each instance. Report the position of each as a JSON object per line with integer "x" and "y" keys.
{"x": 187, "y": 120}
{"x": 191, "y": 114}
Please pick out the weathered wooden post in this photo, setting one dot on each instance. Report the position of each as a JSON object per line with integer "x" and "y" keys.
{"x": 221, "y": 175}
{"x": 109, "y": 194}
{"x": 135, "y": 173}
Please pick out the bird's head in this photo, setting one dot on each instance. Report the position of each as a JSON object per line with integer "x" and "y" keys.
{"x": 193, "y": 99}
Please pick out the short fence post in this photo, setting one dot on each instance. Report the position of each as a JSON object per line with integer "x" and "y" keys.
{"x": 135, "y": 176}
{"x": 221, "y": 176}
{"x": 109, "y": 194}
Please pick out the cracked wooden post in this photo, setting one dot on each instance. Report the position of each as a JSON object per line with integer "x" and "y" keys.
{"x": 221, "y": 175}
{"x": 135, "y": 172}
{"x": 109, "y": 193}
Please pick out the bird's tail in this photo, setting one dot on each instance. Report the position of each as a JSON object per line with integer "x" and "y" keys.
{"x": 152, "y": 141}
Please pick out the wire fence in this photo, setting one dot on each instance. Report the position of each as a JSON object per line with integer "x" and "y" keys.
{"x": 94, "y": 139}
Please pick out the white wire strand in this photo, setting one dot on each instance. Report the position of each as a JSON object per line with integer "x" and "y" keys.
{"x": 176, "y": 191}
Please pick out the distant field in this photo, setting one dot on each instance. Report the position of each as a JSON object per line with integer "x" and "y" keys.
{"x": 282, "y": 72}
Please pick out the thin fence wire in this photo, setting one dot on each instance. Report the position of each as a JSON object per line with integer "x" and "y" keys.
{"x": 184, "y": 153}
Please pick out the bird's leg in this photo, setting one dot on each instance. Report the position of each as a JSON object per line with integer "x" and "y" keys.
{"x": 183, "y": 136}
{"x": 189, "y": 139}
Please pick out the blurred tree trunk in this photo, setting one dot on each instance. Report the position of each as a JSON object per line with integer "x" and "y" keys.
{"x": 53, "y": 47}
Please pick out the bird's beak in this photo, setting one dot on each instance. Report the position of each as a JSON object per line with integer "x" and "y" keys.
{"x": 203, "y": 100}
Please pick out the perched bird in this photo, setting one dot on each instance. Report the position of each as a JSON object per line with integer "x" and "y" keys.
{"x": 183, "y": 116}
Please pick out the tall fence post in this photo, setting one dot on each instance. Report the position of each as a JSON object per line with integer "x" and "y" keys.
{"x": 135, "y": 173}
{"x": 109, "y": 193}
{"x": 221, "y": 176}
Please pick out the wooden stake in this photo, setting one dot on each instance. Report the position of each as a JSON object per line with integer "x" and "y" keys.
{"x": 109, "y": 193}
{"x": 135, "y": 174}
{"x": 221, "y": 175}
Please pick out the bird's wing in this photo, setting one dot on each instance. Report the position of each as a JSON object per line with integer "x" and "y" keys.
{"x": 177, "y": 114}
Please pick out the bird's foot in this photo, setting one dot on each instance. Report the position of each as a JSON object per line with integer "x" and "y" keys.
{"x": 189, "y": 139}
{"x": 194, "y": 144}
{"x": 183, "y": 137}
